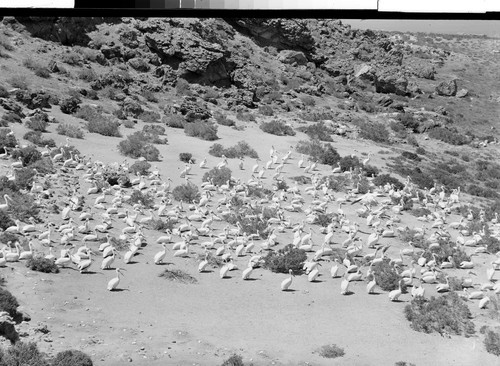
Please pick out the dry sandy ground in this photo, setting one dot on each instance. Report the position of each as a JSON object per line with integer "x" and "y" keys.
{"x": 152, "y": 321}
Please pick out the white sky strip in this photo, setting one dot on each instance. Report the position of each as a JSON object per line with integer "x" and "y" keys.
{"x": 37, "y": 3}
{"x": 351, "y": 4}
{"x": 434, "y": 6}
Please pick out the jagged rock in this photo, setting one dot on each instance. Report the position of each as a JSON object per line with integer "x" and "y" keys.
{"x": 33, "y": 100}
{"x": 192, "y": 109}
{"x": 462, "y": 93}
{"x": 70, "y": 105}
{"x": 391, "y": 83}
{"x": 131, "y": 107}
{"x": 167, "y": 74}
{"x": 111, "y": 51}
{"x": 139, "y": 64}
{"x": 292, "y": 57}
{"x": 447, "y": 88}
{"x": 425, "y": 72}
{"x": 129, "y": 38}
{"x": 128, "y": 54}
{"x": 364, "y": 78}
{"x": 52, "y": 66}
{"x": 441, "y": 110}
{"x": 10, "y": 105}
{"x": 285, "y": 34}
{"x": 384, "y": 100}
{"x": 7, "y": 327}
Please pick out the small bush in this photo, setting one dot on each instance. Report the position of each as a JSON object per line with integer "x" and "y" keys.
{"x": 69, "y": 130}
{"x": 245, "y": 116}
{"x": 374, "y": 131}
{"x": 234, "y": 360}
{"x": 8, "y": 302}
{"x": 19, "y": 81}
{"x": 36, "y": 138}
{"x": 72, "y": 357}
{"x": 185, "y": 157}
{"x": 5, "y": 220}
{"x": 277, "y": 128}
{"x": 411, "y": 156}
{"x": 41, "y": 264}
{"x": 383, "y": 179}
{"x": 87, "y": 75}
{"x": 187, "y": 192}
{"x": 217, "y": 176}
{"x": 307, "y": 100}
{"x": 27, "y": 154}
{"x": 240, "y": 150}
{"x": 182, "y": 88}
{"x": 317, "y": 131}
{"x": 145, "y": 199}
{"x": 203, "y": 130}
{"x": 135, "y": 147}
{"x": 445, "y": 314}
{"x": 153, "y": 129}
{"x": 331, "y": 351}
{"x": 174, "y": 120}
{"x": 70, "y": 105}
{"x": 420, "y": 151}
{"x": 178, "y": 275}
{"x": 37, "y": 123}
{"x": 24, "y": 354}
{"x": 149, "y": 96}
{"x": 285, "y": 259}
{"x": 105, "y": 126}
{"x": 149, "y": 117}
{"x": 266, "y": 110}
{"x": 71, "y": 58}
{"x": 160, "y": 225}
{"x": 492, "y": 342}
{"x": 386, "y": 275}
{"x": 141, "y": 167}
{"x": 448, "y": 136}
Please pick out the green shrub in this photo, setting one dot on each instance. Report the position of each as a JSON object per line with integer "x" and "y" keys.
{"x": 8, "y": 302}
{"x": 70, "y": 105}
{"x": 492, "y": 342}
{"x": 37, "y": 123}
{"x": 149, "y": 96}
{"x": 187, "y": 192}
{"x": 411, "y": 156}
{"x": 10, "y": 117}
{"x": 317, "y": 131}
{"x": 28, "y": 154}
{"x": 331, "y": 351}
{"x": 41, "y": 264}
{"x": 222, "y": 119}
{"x": 71, "y": 58}
{"x": 145, "y": 199}
{"x": 448, "y": 136}
{"x": 174, "y": 120}
{"x": 149, "y": 117}
{"x": 203, "y": 130}
{"x": 72, "y": 357}
{"x": 234, "y": 360}
{"x": 408, "y": 120}
{"x": 217, "y": 176}
{"x": 420, "y": 151}
{"x": 307, "y": 100}
{"x": 5, "y": 220}
{"x": 153, "y": 129}
{"x": 373, "y": 131}
{"x": 245, "y": 116}
{"x": 160, "y": 225}
{"x": 447, "y": 314}
{"x": 182, "y": 87}
{"x": 135, "y": 147}
{"x": 87, "y": 75}
{"x": 36, "y": 67}
{"x": 36, "y": 138}
{"x": 69, "y": 130}
{"x": 104, "y": 126}
{"x": 185, "y": 157}
{"x": 5, "y": 43}
{"x": 283, "y": 260}
{"x": 141, "y": 167}
{"x": 386, "y": 275}
{"x": 19, "y": 81}
{"x": 240, "y": 150}
{"x": 277, "y": 128}
{"x": 384, "y": 179}
{"x": 24, "y": 354}
{"x": 266, "y": 110}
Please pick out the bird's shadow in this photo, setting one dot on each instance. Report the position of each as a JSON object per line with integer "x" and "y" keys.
{"x": 252, "y": 279}
{"x": 120, "y": 289}
{"x": 290, "y": 290}
{"x": 317, "y": 281}
{"x": 207, "y": 271}
{"x": 226, "y": 277}
{"x": 375, "y": 293}
{"x": 89, "y": 273}
{"x": 349, "y": 293}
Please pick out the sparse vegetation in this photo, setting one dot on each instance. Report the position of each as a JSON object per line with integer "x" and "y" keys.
{"x": 185, "y": 157}
{"x": 203, "y": 130}
{"x": 69, "y": 130}
{"x": 331, "y": 351}
{"x": 145, "y": 199}
{"x": 187, "y": 192}
{"x": 234, "y": 360}
{"x": 283, "y": 260}
{"x": 218, "y": 176}
{"x": 277, "y": 128}
{"x": 178, "y": 275}
{"x": 240, "y": 150}
{"x": 492, "y": 342}
{"x": 72, "y": 357}
{"x": 41, "y": 264}
{"x": 135, "y": 147}
{"x": 447, "y": 314}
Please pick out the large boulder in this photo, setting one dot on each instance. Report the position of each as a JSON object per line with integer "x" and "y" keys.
{"x": 34, "y": 99}
{"x": 7, "y": 327}
{"x": 391, "y": 83}
{"x": 192, "y": 109}
{"x": 447, "y": 88}
{"x": 292, "y": 57}
{"x": 364, "y": 78}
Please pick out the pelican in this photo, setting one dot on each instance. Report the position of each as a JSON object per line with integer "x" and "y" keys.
{"x": 395, "y": 294}
{"x": 106, "y": 262}
{"x": 113, "y": 283}
{"x": 84, "y": 265}
{"x": 285, "y": 284}
{"x": 443, "y": 287}
{"x": 344, "y": 286}
{"x": 335, "y": 268}
{"x": 223, "y": 271}
{"x": 371, "y": 285}
{"x": 203, "y": 264}
{"x": 158, "y": 259}
{"x": 247, "y": 272}
{"x": 311, "y": 277}
{"x": 27, "y": 254}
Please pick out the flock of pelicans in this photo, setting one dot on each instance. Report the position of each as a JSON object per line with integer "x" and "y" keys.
{"x": 377, "y": 214}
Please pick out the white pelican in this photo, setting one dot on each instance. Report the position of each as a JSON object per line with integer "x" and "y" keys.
{"x": 285, "y": 284}
{"x": 113, "y": 283}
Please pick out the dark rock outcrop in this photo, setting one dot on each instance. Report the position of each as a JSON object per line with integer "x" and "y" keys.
{"x": 192, "y": 109}
{"x": 33, "y": 100}
{"x": 7, "y": 328}
{"x": 447, "y": 88}
{"x": 70, "y": 105}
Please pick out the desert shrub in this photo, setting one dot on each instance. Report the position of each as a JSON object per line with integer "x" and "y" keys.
{"x": 240, "y": 150}
{"x": 72, "y": 357}
{"x": 317, "y": 131}
{"x": 135, "y": 147}
{"x": 283, "y": 260}
{"x": 8, "y": 302}
{"x": 3, "y": 92}
{"x": 36, "y": 138}
{"x": 24, "y": 354}
{"x": 182, "y": 87}
{"x": 71, "y": 58}
{"x": 404, "y": 363}
{"x": 386, "y": 275}
{"x": 5, "y": 43}
{"x": 10, "y": 117}
{"x": 420, "y": 151}
{"x": 19, "y": 81}
{"x": 149, "y": 116}
{"x": 128, "y": 123}
{"x": 277, "y": 128}
{"x": 28, "y": 154}
{"x": 153, "y": 129}
{"x": 149, "y": 96}
{"x": 217, "y": 176}
{"x": 373, "y": 131}
{"x": 203, "y": 130}
{"x": 185, "y": 157}
{"x": 23, "y": 206}
{"x": 419, "y": 212}
{"x": 177, "y": 275}
{"x": 331, "y": 351}
{"x": 447, "y": 314}
{"x": 492, "y": 342}
{"x": 266, "y": 110}
{"x": 87, "y": 75}
{"x": 383, "y": 179}
{"x": 307, "y": 100}
{"x": 41, "y": 264}
{"x": 145, "y": 199}
{"x": 245, "y": 116}
{"x": 36, "y": 67}
{"x": 234, "y": 360}
{"x": 349, "y": 162}
{"x": 5, "y": 220}
{"x": 174, "y": 120}
{"x": 411, "y": 156}
{"x": 187, "y": 192}
{"x": 222, "y": 119}
{"x": 69, "y": 130}
{"x": 140, "y": 167}
{"x": 37, "y": 123}
{"x": 448, "y": 136}
{"x": 408, "y": 120}
{"x": 104, "y": 126}
{"x": 160, "y": 225}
